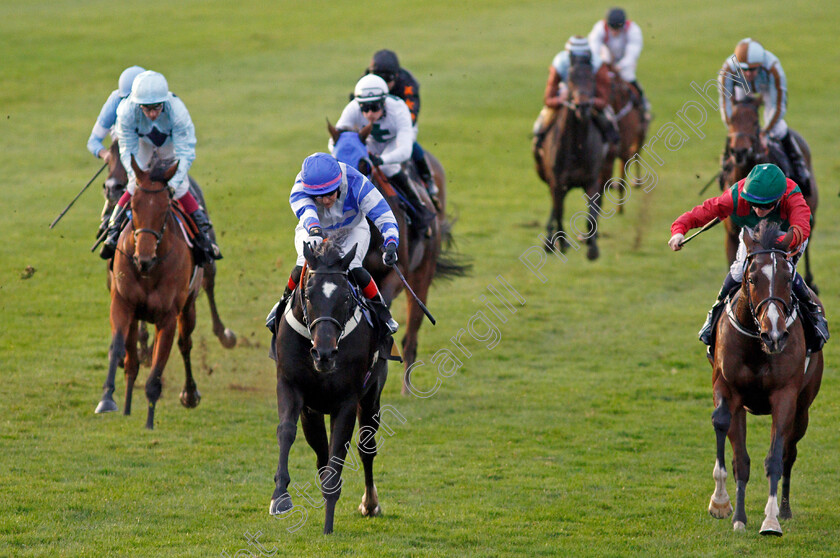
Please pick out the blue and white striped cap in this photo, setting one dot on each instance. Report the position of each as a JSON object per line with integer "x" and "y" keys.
{"x": 320, "y": 174}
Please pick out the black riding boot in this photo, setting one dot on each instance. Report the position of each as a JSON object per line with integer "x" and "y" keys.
{"x": 203, "y": 240}
{"x": 797, "y": 163}
{"x": 815, "y": 315}
{"x": 645, "y": 105}
{"x": 607, "y": 128}
{"x": 362, "y": 279}
{"x": 115, "y": 225}
{"x": 418, "y": 156}
{"x": 421, "y": 216}
{"x": 706, "y": 333}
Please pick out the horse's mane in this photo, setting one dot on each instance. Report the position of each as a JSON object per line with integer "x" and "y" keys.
{"x": 328, "y": 253}
{"x": 158, "y": 167}
{"x": 767, "y": 234}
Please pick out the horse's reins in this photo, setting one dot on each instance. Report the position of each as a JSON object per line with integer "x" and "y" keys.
{"x": 157, "y": 234}
{"x": 310, "y": 324}
{"x": 789, "y": 312}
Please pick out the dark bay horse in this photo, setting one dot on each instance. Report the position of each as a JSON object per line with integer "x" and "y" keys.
{"x": 632, "y": 127}
{"x": 421, "y": 259}
{"x": 114, "y": 186}
{"x": 327, "y": 364}
{"x": 761, "y": 366}
{"x": 744, "y": 150}
{"x": 153, "y": 279}
{"x": 573, "y": 155}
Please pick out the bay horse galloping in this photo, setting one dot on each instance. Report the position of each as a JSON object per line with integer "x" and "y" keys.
{"x": 153, "y": 279}
{"x": 421, "y": 259}
{"x": 744, "y": 150}
{"x": 632, "y": 127}
{"x": 573, "y": 155}
{"x": 115, "y": 185}
{"x": 328, "y": 363}
{"x": 761, "y": 365}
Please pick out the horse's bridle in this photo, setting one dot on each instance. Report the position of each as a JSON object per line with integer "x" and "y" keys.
{"x": 311, "y": 324}
{"x": 754, "y": 309}
{"x": 157, "y": 234}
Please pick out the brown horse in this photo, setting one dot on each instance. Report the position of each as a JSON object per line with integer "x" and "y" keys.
{"x": 114, "y": 186}
{"x": 421, "y": 259}
{"x": 154, "y": 279}
{"x": 632, "y": 127}
{"x": 744, "y": 150}
{"x": 573, "y": 155}
{"x": 761, "y": 366}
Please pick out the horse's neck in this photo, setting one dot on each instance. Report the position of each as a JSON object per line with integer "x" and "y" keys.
{"x": 742, "y": 307}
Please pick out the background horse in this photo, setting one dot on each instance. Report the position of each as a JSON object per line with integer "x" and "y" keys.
{"x": 632, "y": 127}
{"x": 327, "y": 363}
{"x": 114, "y": 186}
{"x": 573, "y": 155}
{"x": 744, "y": 151}
{"x": 154, "y": 279}
{"x": 421, "y": 259}
{"x": 761, "y": 366}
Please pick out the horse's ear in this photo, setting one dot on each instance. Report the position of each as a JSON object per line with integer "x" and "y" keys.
{"x": 333, "y": 132}
{"x": 307, "y": 253}
{"x": 170, "y": 172}
{"x": 748, "y": 239}
{"x": 365, "y": 132}
{"x": 348, "y": 257}
{"x": 138, "y": 172}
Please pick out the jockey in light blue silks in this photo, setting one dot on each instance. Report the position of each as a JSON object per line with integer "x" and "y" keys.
{"x": 763, "y": 75}
{"x": 153, "y": 121}
{"x": 329, "y": 196}
{"x": 105, "y": 125}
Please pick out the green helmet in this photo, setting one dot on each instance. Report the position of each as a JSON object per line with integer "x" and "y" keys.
{"x": 765, "y": 184}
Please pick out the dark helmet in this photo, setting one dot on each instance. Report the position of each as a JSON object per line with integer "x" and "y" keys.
{"x": 385, "y": 64}
{"x": 616, "y": 18}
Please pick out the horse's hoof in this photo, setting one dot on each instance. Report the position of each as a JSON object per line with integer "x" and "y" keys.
{"x": 190, "y": 400}
{"x": 375, "y": 512}
{"x": 106, "y": 406}
{"x": 739, "y": 527}
{"x": 784, "y": 510}
{"x": 720, "y": 510}
{"x": 228, "y": 340}
{"x": 592, "y": 253}
{"x": 771, "y": 527}
{"x": 280, "y": 505}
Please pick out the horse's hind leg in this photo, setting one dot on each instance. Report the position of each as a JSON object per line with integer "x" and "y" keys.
{"x": 163, "y": 346}
{"x": 783, "y": 404}
{"x": 368, "y": 415}
{"x": 720, "y": 506}
{"x": 800, "y": 425}
{"x": 190, "y": 396}
{"x": 341, "y": 427}
{"x": 419, "y": 280}
{"x": 132, "y": 365}
{"x": 226, "y": 337}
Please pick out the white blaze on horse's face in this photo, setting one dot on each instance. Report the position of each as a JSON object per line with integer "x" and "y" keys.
{"x": 329, "y": 288}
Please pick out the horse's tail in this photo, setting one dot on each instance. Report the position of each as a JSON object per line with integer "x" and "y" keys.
{"x": 450, "y": 263}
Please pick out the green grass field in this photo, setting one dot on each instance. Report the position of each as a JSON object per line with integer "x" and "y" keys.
{"x": 583, "y": 429}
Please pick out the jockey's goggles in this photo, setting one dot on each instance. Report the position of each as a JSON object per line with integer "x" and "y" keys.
{"x": 327, "y": 195}
{"x": 155, "y": 106}
{"x": 371, "y": 107}
{"x": 765, "y": 206}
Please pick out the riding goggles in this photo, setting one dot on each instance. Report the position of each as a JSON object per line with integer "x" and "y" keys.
{"x": 371, "y": 107}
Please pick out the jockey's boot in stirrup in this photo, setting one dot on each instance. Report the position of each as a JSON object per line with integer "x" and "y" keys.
{"x": 705, "y": 334}
{"x": 421, "y": 216}
{"x": 607, "y": 128}
{"x": 426, "y": 176}
{"x": 115, "y": 225}
{"x": 803, "y": 294}
{"x": 383, "y": 313}
{"x": 203, "y": 238}
{"x": 797, "y": 162}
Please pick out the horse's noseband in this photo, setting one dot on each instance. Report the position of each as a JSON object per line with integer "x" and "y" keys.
{"x": 157, "y": 234}
{"x": 312, "y": 323}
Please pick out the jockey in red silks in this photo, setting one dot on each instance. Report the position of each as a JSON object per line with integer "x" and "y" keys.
{"x": 765, "y": 194}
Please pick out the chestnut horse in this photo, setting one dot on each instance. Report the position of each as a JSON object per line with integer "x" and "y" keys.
{"x": 632, "y": 127}
{"x": 153, "y": 279}
{"x": 114, "y": 186}
{"x": 761, "y": 366}
{"x": 573, "y": 155}
{"x": 421, "y": 259}
{"x": 743, "y": 151}
{"x": 328, "y": 363}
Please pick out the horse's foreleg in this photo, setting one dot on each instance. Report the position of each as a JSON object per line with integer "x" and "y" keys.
{"x": 740, "y": 461}
{"x": 226, "y": 337}
{"x": 594, "y": 197}
{"x": 163, "y": 346}
{"x": 132, "y": 365}
{"x": 289, "y": 404}
{"x": 557, "y": 236}
{"x": 720, "y": 506}
{"x": 341, "y": 426}
{"x": 419, "y": 280}
{"x": 783, "y": 409}
{"x": 120, "y": 323}
{"x": 368, "y": 415}
{"x": 190, "y": 396}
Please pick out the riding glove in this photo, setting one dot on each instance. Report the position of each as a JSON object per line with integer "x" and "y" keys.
{"x": 389, "y": 258}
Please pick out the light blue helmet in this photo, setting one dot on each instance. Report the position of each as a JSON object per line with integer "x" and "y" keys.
{"x": 127, "y": 78}
{"x": 149, "y": 88}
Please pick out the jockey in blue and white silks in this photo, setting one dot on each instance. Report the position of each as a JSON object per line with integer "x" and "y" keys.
{"x": 331, "y": 197}
{"x": 108, "y": 114}
{"x": 153, "y": 121}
